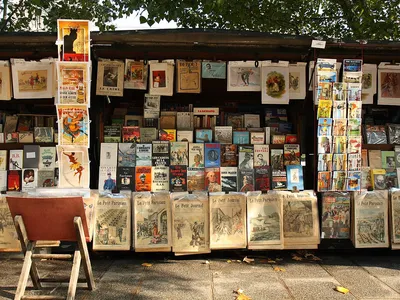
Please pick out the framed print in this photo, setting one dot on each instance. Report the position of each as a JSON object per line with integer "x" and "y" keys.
{"x": 110, "y": 78}
{"x": 73, "y": 40}
{"x": 188, "y": 76}
{"x": 73, "y": 125}
{"x": 161, "y": 78}
{"x": 275, "y": 82}
{"x": 388, "y": 84}
{"x": 73, "y": 83}
{"x": 213, "y": 70}
{"x": 74, "y": 170}
{"x": 32, "y": 79}
{"x": 5, "y": 80}
{"x": 297, "y": 81}
{"x": 136, "y": 74}
{"x": 243, "y": 76}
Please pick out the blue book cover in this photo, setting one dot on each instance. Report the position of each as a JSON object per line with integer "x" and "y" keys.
{"x": 241, "y": 137}
{"x": 212, "y": 153}
{"x": 203, "y": 136}
{"x": 324, "y": 127}
{"x": 294, "y": 175}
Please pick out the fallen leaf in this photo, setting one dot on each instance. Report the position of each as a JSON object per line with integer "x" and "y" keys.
{"x": 147, "y": 265}
{"x": 298, "y": 258}
{"x": 228, "y": 261}
{"x": 270, "y": 261}
{"x": 206, "y": 262}
{"x": 239, "y": 261}
{"x": 248, "y": 260}
{"x": 240, "y": 295}
{"x": 342, "y": 290}
{"x": 277, "y": 269}
{"x": 239, "y": 291}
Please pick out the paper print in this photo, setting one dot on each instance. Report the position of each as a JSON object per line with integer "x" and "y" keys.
{"x": 110, "y": 78}
{"x": 275, "y": 83}
{"x": 73, "y": 40}
{"x": 213, "y": 70}
{"x": 188, "y": 76}
{"x": 243, "y": 76}
{"x": 136, "y": 73}
{"x": 8, "y": 235}
{"x": 5, "y": 80}
{"x": 73, "y": 125}
{"x": 74, "y": 166}
{"x": 73, "y": 83}
{"x": 161, "y": 79}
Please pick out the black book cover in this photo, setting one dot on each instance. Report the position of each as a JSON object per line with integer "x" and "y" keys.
{"x": 263, "y": 178}
{"x": 125, "y": 179}
{"x": 160, "y": 154}
{"x": 178, "y": 178}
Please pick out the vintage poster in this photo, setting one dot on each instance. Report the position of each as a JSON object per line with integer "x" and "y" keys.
{"x": 73, "y": 83}
{"x": 370, "y": 222}
{"x": 275, "y": 82}
{"x": 8, "y": 235}
{"x": 152, "y": 228}
{"x": 74, "y": 168}
{"x": 395, "y": 215}
{"x": 73, "y": 125}
{"x": 136, "y": 73}
{"x": 32, "y": 79}
{"x": 227, "y": 221}
{"x": 264, "y": 221}
{"x": 160, "y": 177}
{"x": 188, "y": 76}
{"x": 369, "y": 80}
{"x": 5, "y": 80}
{"x": 161, "y": 78}
{"x": 213, "y": 70}
{"x": 113, "y": 223}
{"x": 297, "y": 81}
{"x": 190, "y": 223}
{"x": 73, "y": 40}
{"x": 243, "y": 76}
{"x": 300, "y": 219}
{"x": 335, "y": 216}
{"x": 388, "y": 84}
{"x": 110, "y": 78}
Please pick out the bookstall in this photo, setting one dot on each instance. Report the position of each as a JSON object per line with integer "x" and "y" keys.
{"x": 199, "y": 140}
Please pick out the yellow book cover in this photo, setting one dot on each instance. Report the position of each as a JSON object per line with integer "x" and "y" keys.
{"x": 378, "y": 179}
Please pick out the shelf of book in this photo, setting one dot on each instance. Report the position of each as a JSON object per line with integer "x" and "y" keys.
{"x": 12, "y": 146}
{"x": 383, "y": 147}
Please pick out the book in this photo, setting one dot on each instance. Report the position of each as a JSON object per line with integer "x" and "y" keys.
{"x": 107, "y": 179}
{"x": 112, "y": 134}
{"x": 184, "y": 120}
{"x": 45, "y": 178}
{"x": 261, "y": 155}
{"x": 291, "y": 139}
{"x": 203, "y": 135}
{"x": 246, "y": 180}
{"x": 109, "y": 154}
{"x": 339, "y": 144}
{"x": 3, "y": 160}
{"x": 167, "y": 135}
{"x": 143, "y": 154}
{"x": 339, "y": 162}
{"x": 195, "y": 179}
{"x": 212, "y": 180}
{"x": 147, "y": 135}
{"x": 375, "y": 159}
{"x": 47, "y": 158}
{"x": 354, "y": 181}
{"x": 397, "y": 157}
{"x": 229, "y": 179}
{"x": 325, "y": 162}
{"x": 235, "y": 120}
{"x": 262, "y": 178}
{"x": 167, "y": 121}
{"x": 143, "y": 180}
{"x": 339, "y": 181}
{"x": 335, "y": 215}
{"x": 257, "y": 138}
{"x": 27, "y": 137}
{"x": 375, "y": 134}
{"x": 178, "y": 179}
{"x": 277, "y": 161}
{"x": 160, "y": 153}
{"x": 354, "y": 162}
{"x": 212, "y": 154}
{"x": 393, "y": 133}
{"x": 11, "y": 137}
{"x": 339, "y": 110}
{"x": 130, "y": 134}
{"x": 278, "y": 139}
{"x": 388, "y": 160}
{"x": 246, "y": 157}
{"x": 196, "y": 155}
{"x": 127, "y": 155}
{"x": 184, "y": 136}
{"x": 366, "y": 182}
{"x": 160, "y": 177}
{"x": 251, "y": 120}
{"x": 14, "y": 180}
{"x": 241, "y": 137}
{"x": 16, "y": 159}
{"x": 267, "y": 135}
{"x": 364, "y": 158}
{"x": 179, "y": 153}
{"x": 324, "y": 109}
{"x": 151, "y": 106}
{"x": 228, "y": 155}
{"x": 126, "y": 179}
{"x": 294, "y": 174}
{"x": 137, "y": 121}
{"x": 354, "y": 127}
{"x": 354, "y": 144}
{"x": 324, "y": 181}
{"x": 43, "y": 134}
{"x": 354, "y": 110}
{"x": 223, "y": 134}
{"x": 339, "y": 127}
{"x": 29, "y": 179}
{"x": 325, "y": 144}
{"x": 31, "y": 156}
{"x": 378, "y": 177}
{"x": 391, "y": 178}
{"x": 325, "y": 127}
{"x": 10, "y": 124}
{"x": 291, "y": 154}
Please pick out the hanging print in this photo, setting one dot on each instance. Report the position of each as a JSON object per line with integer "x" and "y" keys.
{"x": 243, "y": 76}
{"x": 136, "y": 73}
{"x": 73, "y": 125}
{"x": 389, "y": 84}
{"x": 297, "y": 81}
{"x": 73, "y": 40}
{"x": 275, "y": 82}
{"x": 213, "y": 70}
{"x": 73, "y": 83}
{"x": 5, "y": 80}
{"x": 73, "y": 166}
{"x": 110, "y": 78}
{"x": 189, "y": 76}
{"x": 161, "y": 78}
{"x": 368, "y": 83}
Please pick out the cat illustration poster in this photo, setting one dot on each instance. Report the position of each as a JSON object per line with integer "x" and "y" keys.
{"x": 73, "y": 40}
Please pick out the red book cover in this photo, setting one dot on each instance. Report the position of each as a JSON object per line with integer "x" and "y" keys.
{"x": 263, "y": 178}
{"x": 130, "y": 134}
{"x": 14, "y": 181}
{"x": 213, "y": 180}
{"x": 143, "y": 179}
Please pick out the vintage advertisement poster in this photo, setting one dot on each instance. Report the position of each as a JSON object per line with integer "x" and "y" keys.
{"x": 227, "y": 221}
{"x": 5, "y": 80}
{"x": 297, "y": 81}
{"x": 388, "y": 84}
{"x": 136, "y": 73}
{"x": 73, "y": 40}
{"x": 152, "y": 228}
{"x": 213, "y": 70}
{"x": 73, "y": 125}
{"x": 113, "y": 223}
{"x": 264, "y": 221}
{"x": 335, "y": 216}
{"x": 189, "y": 76}
{"x": 73, "y": 166}
{"x": 161, "y": 79}
{"x": 73, "y": 83}
{"x": 32, "y": 79}
{"x": 371, "y": 219}
{"x": 190, "y": 223}
{"x": 8, "y": 235}
{"x": 395, "y": 216}
{"x": 300, "y": 219}
{"x": 369, "y": 83}
{"x": 110, "y": 78}
{"x": 243, "y": 76}
{"x": 275, "y": 82}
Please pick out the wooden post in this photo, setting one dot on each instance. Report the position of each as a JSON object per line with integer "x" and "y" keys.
{"x": 73, "y": 281}
{"x": 26, "y": 267}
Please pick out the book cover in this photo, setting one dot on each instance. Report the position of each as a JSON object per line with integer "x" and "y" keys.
{"x": 47, "y": 158}
{"x": 212, "y": 154}
{"x": 130, "y": 134}
{"x": 203, "y": 135}
{"x": 251, "y": 120}
{"x": 223, "y": 134}
{"x": 324, "y": 181}
{"x": 354, "y": 144}
{"x": 31, "y": 156}
{"x": 109, "y": 154}
{"x": 195, "y": 179}
{"x": 291, "y": 154}
{"x": 212, "y": 180}
{"x": 246, "y": 157}
{"x": 354, "y": 110}
{"x": 324, "y": 109}
{"x": 27, "y": 137}
{"x": 291, "y": 139}
{"x": 325, "y": 127}
{"x": 229, "y": 179}
{"x": 354, "y": 181}
{"x": 178, "y": 179}
{"x": 184, "y": 120}
{"x": 277, "y": 162}
{"x": 167, "y": 121}
{"x": 3, "y": 160}
{"x": 29, "y": 179}
{"x": 151, "y": 106}
{"x": 15, "y": 159}
{"x": 294, "y": 174}
{"x": 354, "y": 127}
{"x": 147, "y": 135}
{"x": 278, "y": 139}
{"x": 396, "y": 157}
{"x": 388, "y": 160}
{"x": 246, "y": 180}
{"x": 143, "y": 179}
{"x": 354, "y": 162}
{"x": 261, "y": 155}
{"x": 107, "y": 179}
{"x": 160, "y": 177}
{"x": 112, "y": 134}
{"x": 324, "y": 144}
{"x": 167, "y": 135}
{"x": 339, "y": 110}
{"x": 241, "y": 137}
{"x": 267, "y": 135}
{"x": 45, "y": 178}
{"x": 325, "y": 162}
{"x": 126, "y": 179}
{"x": 378, "y": 179}
{"x": 375, "y": 159}
{"x": 127, "y": 155}
{"x": 339, "y": 181}
{"x": 184, "y": 136}
{"x": 335, "y": 216}
{"x": 262, "y": 178}
{"x": 339, "y": 144}
{"x": 366, "y": 181}
{"x": 132, "y": 120}
{"x": 228, "y": 155}
{"x": 394, "y": 133}
{"x": 391, "y": 178}
{"x": 375, "y": 134}
{"x": 14, "y": 180}
{"x": 235, "y": 120}
{"x": 257, "y": 138}
{"x": 12, "y": 137}
{"x": 339, "y": 127}
{"x": 160, "y": 156}
{"x": 340, "y": 162}
{"x": 10, "y": 124}
{"x": 179, "y": 153}
{"x": 44, "y": 135}
{"x": 196, "y": 155}
{"x": 143, "y": 154}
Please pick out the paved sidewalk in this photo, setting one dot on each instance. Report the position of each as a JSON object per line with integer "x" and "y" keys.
{"x": 191, "y": 278}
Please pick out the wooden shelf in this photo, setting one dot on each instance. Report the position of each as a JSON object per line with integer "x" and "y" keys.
{"x": 12, "y": 146}
{"x": 383, "y": 147}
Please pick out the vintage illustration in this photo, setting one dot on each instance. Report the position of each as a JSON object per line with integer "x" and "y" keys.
{"x": 243, "y": 76}
{"x": 136, "y": 73}
{"x": 189, "y": 76}
{"x": 388, "y": 85}
{"x": 395, "y": 207}
{"x": 5, "y": 80}
{"x": 179, "y": 153}
{"x": 195, "y": 179}
{"x": 110, "y": 78}
{"x": 161, "y": 79}
{"x": 73, "y": 83}
{"x": 73, "y": 125}
{"x": 74, "y": 40}
{"x": 297, "y": 80}
{"x": 275, "y": 83}
{"x": 215, "y": 70}
{"x": 8, "y": 236}
{"x": 73, "y": 166}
